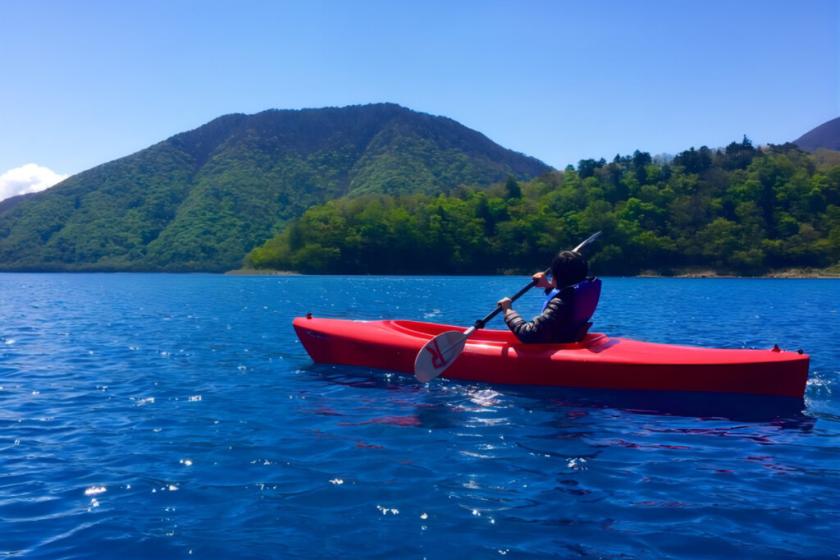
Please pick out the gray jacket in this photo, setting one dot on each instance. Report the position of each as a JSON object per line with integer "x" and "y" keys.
{"x": 555, "y": 323}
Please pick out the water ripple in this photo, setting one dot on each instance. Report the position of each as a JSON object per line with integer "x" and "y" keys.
{"x": 178, "y": 416}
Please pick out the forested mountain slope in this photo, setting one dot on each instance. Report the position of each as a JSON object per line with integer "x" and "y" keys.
{"x": 736, "y": 210}
{"x": 202, "y": 199}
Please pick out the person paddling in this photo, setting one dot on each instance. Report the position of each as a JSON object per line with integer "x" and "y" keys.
{"x": 572, "y": 298}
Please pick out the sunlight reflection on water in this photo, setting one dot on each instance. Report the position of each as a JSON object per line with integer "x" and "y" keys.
{"x": 168, "y": 415}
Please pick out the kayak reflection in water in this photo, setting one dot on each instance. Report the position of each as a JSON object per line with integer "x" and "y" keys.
{"x": 571, "y": 300}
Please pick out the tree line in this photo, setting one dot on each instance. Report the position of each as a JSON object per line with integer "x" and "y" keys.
{"x": 739, "y": 209}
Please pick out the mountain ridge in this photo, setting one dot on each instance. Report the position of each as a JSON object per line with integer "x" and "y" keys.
{"x": 825, "y": 136}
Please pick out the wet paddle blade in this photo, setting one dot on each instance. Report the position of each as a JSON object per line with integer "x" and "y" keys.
{"x": 438, "y": 354}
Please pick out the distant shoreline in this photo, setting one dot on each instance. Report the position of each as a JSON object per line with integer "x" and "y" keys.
{"x": 832, "y": 273}
{"x": 822, "y": 273}
{"x": 261, "y": 272}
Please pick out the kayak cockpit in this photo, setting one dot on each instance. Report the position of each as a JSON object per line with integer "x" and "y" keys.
{"x": 494, "y": 337}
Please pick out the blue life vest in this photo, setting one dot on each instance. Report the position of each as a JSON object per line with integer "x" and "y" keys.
{"x": 585, "y": 300}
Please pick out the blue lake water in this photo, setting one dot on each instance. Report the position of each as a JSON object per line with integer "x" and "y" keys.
{"x": 177, "y": 416}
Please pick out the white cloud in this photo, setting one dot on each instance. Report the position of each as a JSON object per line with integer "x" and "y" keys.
{"x": 26, "y": 179}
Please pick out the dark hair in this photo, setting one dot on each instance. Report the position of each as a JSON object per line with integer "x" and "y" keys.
{"x": 569, "y": 268}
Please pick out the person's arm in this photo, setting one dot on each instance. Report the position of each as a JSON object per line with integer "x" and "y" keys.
{"x": 538, "y": 330}
{"x": 530, "y": 332}
{"x": 540, "y": 281}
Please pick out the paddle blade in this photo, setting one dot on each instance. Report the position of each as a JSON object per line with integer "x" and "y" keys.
{"x": 438, "y": 354}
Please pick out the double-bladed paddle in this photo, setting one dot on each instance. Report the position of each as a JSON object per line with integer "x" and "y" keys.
{"x": 439, "y": 353}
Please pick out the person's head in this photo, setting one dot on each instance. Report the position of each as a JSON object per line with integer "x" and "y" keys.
{"x": 568, "y": 268}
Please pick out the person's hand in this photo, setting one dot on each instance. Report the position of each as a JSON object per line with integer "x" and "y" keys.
{"x": 505, "y": 303}
{"x": 540, "y": 281}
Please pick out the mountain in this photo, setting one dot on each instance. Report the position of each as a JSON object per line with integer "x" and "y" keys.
{"x": 202, "y": 199}
{"x": 826, "y": 136}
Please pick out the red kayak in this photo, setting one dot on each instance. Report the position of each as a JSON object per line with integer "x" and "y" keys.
{"x": 597, "y": 361}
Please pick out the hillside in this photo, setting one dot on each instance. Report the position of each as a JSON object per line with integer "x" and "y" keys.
{"x": 738, "y": 210}
{"x": 202, "y": 199}
{"x": 826, "y": 136}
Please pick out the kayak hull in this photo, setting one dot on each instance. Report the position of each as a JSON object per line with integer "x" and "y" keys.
{"x": 596, "y": 362}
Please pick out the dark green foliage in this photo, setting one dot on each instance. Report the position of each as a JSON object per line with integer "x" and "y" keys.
{"x": 512, "y": 188}
{"x": 695, "y": 161}
{"x": 202, "y": 199}
{"x": 734, "y": 210}
{"x": 739, "y": 156}
{"x": 586, "y": 167}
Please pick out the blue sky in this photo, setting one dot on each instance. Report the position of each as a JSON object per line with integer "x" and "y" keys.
{"x": 84, "y": 82}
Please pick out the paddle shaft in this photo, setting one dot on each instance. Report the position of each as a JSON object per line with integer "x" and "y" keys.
{"x": 481, "y": 322}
